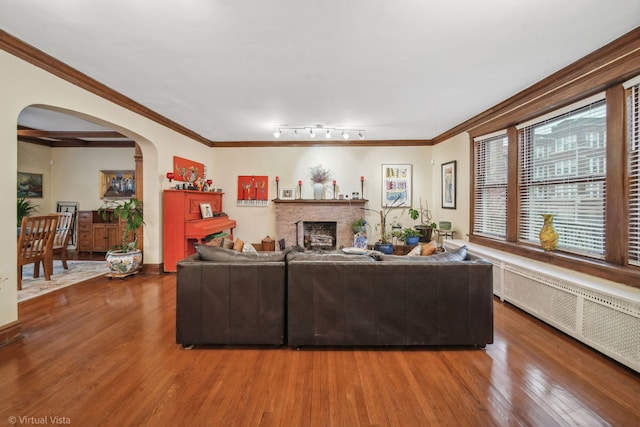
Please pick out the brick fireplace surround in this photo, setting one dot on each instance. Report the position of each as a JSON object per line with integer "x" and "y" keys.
{"x": 344, "y": 212}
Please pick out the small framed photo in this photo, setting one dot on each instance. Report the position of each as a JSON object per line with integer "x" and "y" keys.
{"x": 287, "y": 193}
{"x": 205, "y": 210}
{"x": 449, "y": 185}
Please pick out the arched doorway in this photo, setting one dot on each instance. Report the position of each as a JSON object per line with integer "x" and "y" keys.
{"x": 69, "y": 149}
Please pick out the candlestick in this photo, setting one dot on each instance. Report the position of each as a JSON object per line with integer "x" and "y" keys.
{"x": 334, "y": 189}
{"x": 277, "y": 187}
{"x": 362, "y": 187}
{"x": 299, "y": 189}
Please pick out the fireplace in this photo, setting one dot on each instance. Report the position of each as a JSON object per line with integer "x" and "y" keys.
{"x": 292, "y": 215}
{"x": 319, "y": 235}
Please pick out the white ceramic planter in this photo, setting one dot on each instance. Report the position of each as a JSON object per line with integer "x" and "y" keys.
{"x": 124, "y": 262}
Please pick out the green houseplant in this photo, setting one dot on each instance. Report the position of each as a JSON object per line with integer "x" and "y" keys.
{"x": 125, "y": 258}
{"x": 385, "y": 244}
{"x": 25, "y": 207}
{"x": 425, "y": 227}
{"x": 411, "y": 236}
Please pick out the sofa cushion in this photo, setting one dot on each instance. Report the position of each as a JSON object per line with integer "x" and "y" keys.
{"x": 459, "y": 254}
{"x": 238, "y": 245}
{"x": 415, "y": 251}
{"x": 424, "y": 249}
{"x": 429, "y": 248}
{"x": 248, "y": 248}
{"x": 218, "y": 254}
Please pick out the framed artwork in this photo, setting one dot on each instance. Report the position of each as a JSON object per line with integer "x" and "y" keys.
{"x": 287, "y": 193}
{"x": 187, "y": 170}
{"x": 117, "y": 184}
{"x": 30, "y": 185}
{"x": 253, "y": 190}
{"x": 396, "y": 185}
{"x": 449, "y": 185}
{"x": 205, "y": 210}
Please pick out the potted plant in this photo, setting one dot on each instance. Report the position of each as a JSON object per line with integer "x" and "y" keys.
{"x": 426, "y": 226}
{"x": 359, "y": 227}
{"x": 125, "y": 258}
{"x": 25, "y": 208}
{"x": 384, "y": 245}
{"x": 319, "y": 176}
{"x": 411, "y": 236}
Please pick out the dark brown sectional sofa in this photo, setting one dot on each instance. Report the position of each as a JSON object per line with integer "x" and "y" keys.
{"x": 304, "y": 299}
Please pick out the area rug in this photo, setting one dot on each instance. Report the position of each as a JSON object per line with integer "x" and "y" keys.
{"x": 78, "y": 271}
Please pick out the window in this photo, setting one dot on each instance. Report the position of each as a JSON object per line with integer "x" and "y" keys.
{"x": 633, "y": 156}
{"x": 490, "y": 213}
{"x": 568, "y": 180}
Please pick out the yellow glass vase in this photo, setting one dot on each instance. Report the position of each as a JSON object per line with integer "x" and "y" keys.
{"x": 548, "y": 234}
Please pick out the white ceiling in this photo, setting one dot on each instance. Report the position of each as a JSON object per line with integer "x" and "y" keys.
{"x": 233, "y": 70}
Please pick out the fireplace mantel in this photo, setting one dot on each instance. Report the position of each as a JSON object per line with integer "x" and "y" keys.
{"x": 290, "y": 215}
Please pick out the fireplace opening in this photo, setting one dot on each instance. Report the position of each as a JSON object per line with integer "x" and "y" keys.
{"x": 319, "y": 235}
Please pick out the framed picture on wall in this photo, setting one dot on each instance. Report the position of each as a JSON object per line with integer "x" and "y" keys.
{"x": 29, "y": 185}
{"x": 117, "y": 184}
{"x": 449, "y": 185}
{"x": 396, "y": 185}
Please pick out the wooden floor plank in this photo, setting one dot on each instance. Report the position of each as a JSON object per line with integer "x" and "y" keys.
{"x": 104, "y": 353}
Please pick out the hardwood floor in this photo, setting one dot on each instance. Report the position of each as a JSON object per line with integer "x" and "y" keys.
{"x": 104, "y": 353}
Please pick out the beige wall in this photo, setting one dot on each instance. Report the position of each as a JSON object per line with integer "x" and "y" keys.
{"x": 72, "y": 176}
{"x": 292, "y": 164}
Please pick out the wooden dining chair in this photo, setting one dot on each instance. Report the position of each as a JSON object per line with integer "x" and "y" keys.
{"x": 35, "y": 245}
{"x": 61, "y": 238}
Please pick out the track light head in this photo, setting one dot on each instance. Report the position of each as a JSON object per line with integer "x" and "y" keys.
{"x": 317, "y": 130}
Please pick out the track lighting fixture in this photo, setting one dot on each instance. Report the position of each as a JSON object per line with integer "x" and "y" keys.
{"x": 328, "y": 131}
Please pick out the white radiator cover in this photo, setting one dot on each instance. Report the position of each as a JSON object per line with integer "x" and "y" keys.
{"x": 602, "y": 314}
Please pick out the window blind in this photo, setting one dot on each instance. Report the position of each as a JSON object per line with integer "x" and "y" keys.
{"x": 633, "y": 143}
{"x": 562, "y": 171}
{"x": 490, "y": 187}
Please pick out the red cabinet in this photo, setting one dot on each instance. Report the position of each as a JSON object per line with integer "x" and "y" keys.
{"x": 184, "y": 226}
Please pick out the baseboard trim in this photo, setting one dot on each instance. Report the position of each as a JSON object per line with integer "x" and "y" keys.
{"x": 10, "y": 333}
{"x": 152, "y": 268}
